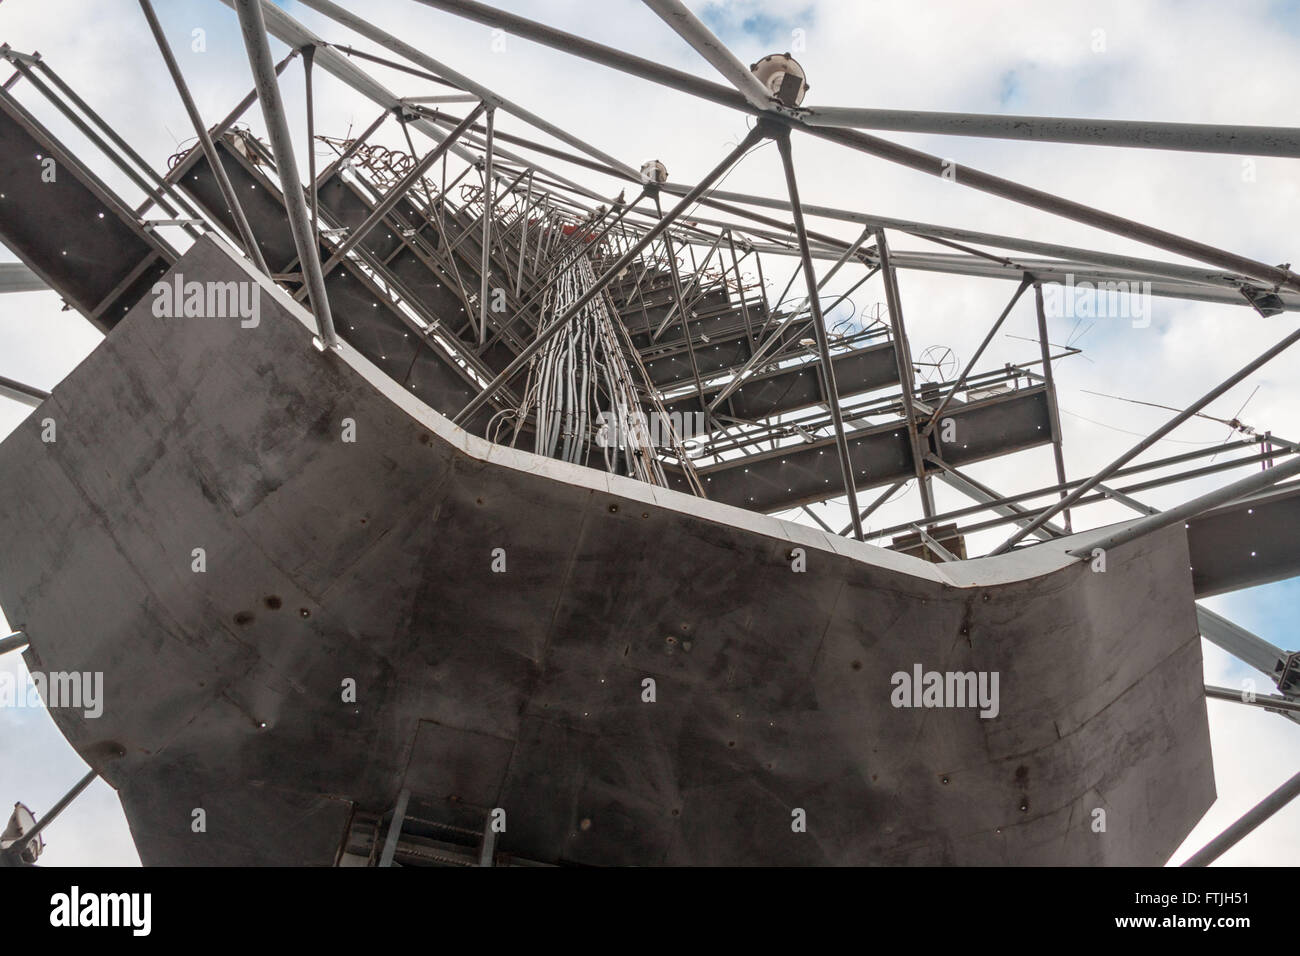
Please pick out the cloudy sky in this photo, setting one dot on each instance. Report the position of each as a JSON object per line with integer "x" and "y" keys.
{"x": 1127, "y": 59}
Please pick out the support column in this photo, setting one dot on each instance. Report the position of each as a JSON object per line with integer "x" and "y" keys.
{"x": 277, "y": 127}
{"x": 903, "y": 356}
{"x": 819, "y": 330}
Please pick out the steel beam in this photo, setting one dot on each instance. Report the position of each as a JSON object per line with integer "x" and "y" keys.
{"x": 487, "y": 850}
{"x": 395, "y": 828}
{"x": 253, "y": 27}
{"x": 1239, "y": 642}
{"x": 1045, "y": 349}
{"x": 485, "y": 264}
{"x": 1125, "y": 500}
{"x": 523, "y": 237}
{"x": 308, "y": 55}
{"x": 26, "y": 394}
{"x": 944, "y": 554}
{"x": 982, "y": 493}
{"x": 1184, "y": 137}
{"x": 17, "y": 277}
{"x": 819, "y": 330}
{"x": 596, "y": 52}
{"x": 15, "y": 641}
{"x": 205, "y": 141}
{"x": 701, "y": 38}
{"x": 1230, "y": 837}
{"x": 1284, "y": 705}
{"x": 1068, "y": 209}
{"x": 903, "y": 355}
{"x": 16, "y": 848}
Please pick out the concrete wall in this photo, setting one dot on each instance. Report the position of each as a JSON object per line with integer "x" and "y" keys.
{"x": 372, "y": 560}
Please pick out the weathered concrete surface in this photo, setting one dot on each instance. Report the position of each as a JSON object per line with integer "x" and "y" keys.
{"x": 328, "y": 560}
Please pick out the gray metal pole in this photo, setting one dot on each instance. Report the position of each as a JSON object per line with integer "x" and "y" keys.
{"x": 819, "y": 330}
{"x": 486, "y": 259}
{"x": 577, "y": 46}
{"x": 903, "y": 359}
{"x": 523, "y": 236}
{"x": 253, "y": 27}
{"x": 395, "y": 829}
{"x": 574, "y": 310}
{"x": 27, "y": 394}
{"x": 15, "y": 641}
{"x": 1147, "y": 442}
{"x": 980, "y": 492}
{"x": 1187, "y": 137}
{"x": 1049, "y": 376}
{"x": 1239, "y": 642}
{"x": 308, "y": 54}
{"x": 690, "y": 29}
{"x": 1230, "y": 837}
{"x": 487, "y": 851}
{"x": 1066, "y": 208}
{"x": 1267, "y": 701}
{"x": 55, "y": 810}
{"x": 209, "y": 148}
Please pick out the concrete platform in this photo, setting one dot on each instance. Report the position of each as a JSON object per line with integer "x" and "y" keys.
{"x": 372, "y": 560}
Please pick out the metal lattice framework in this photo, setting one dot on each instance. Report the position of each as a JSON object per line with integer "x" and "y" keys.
{"x": 638, "y": 336}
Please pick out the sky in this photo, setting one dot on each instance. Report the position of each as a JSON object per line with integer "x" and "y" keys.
{"x": 1170, "y": 60}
